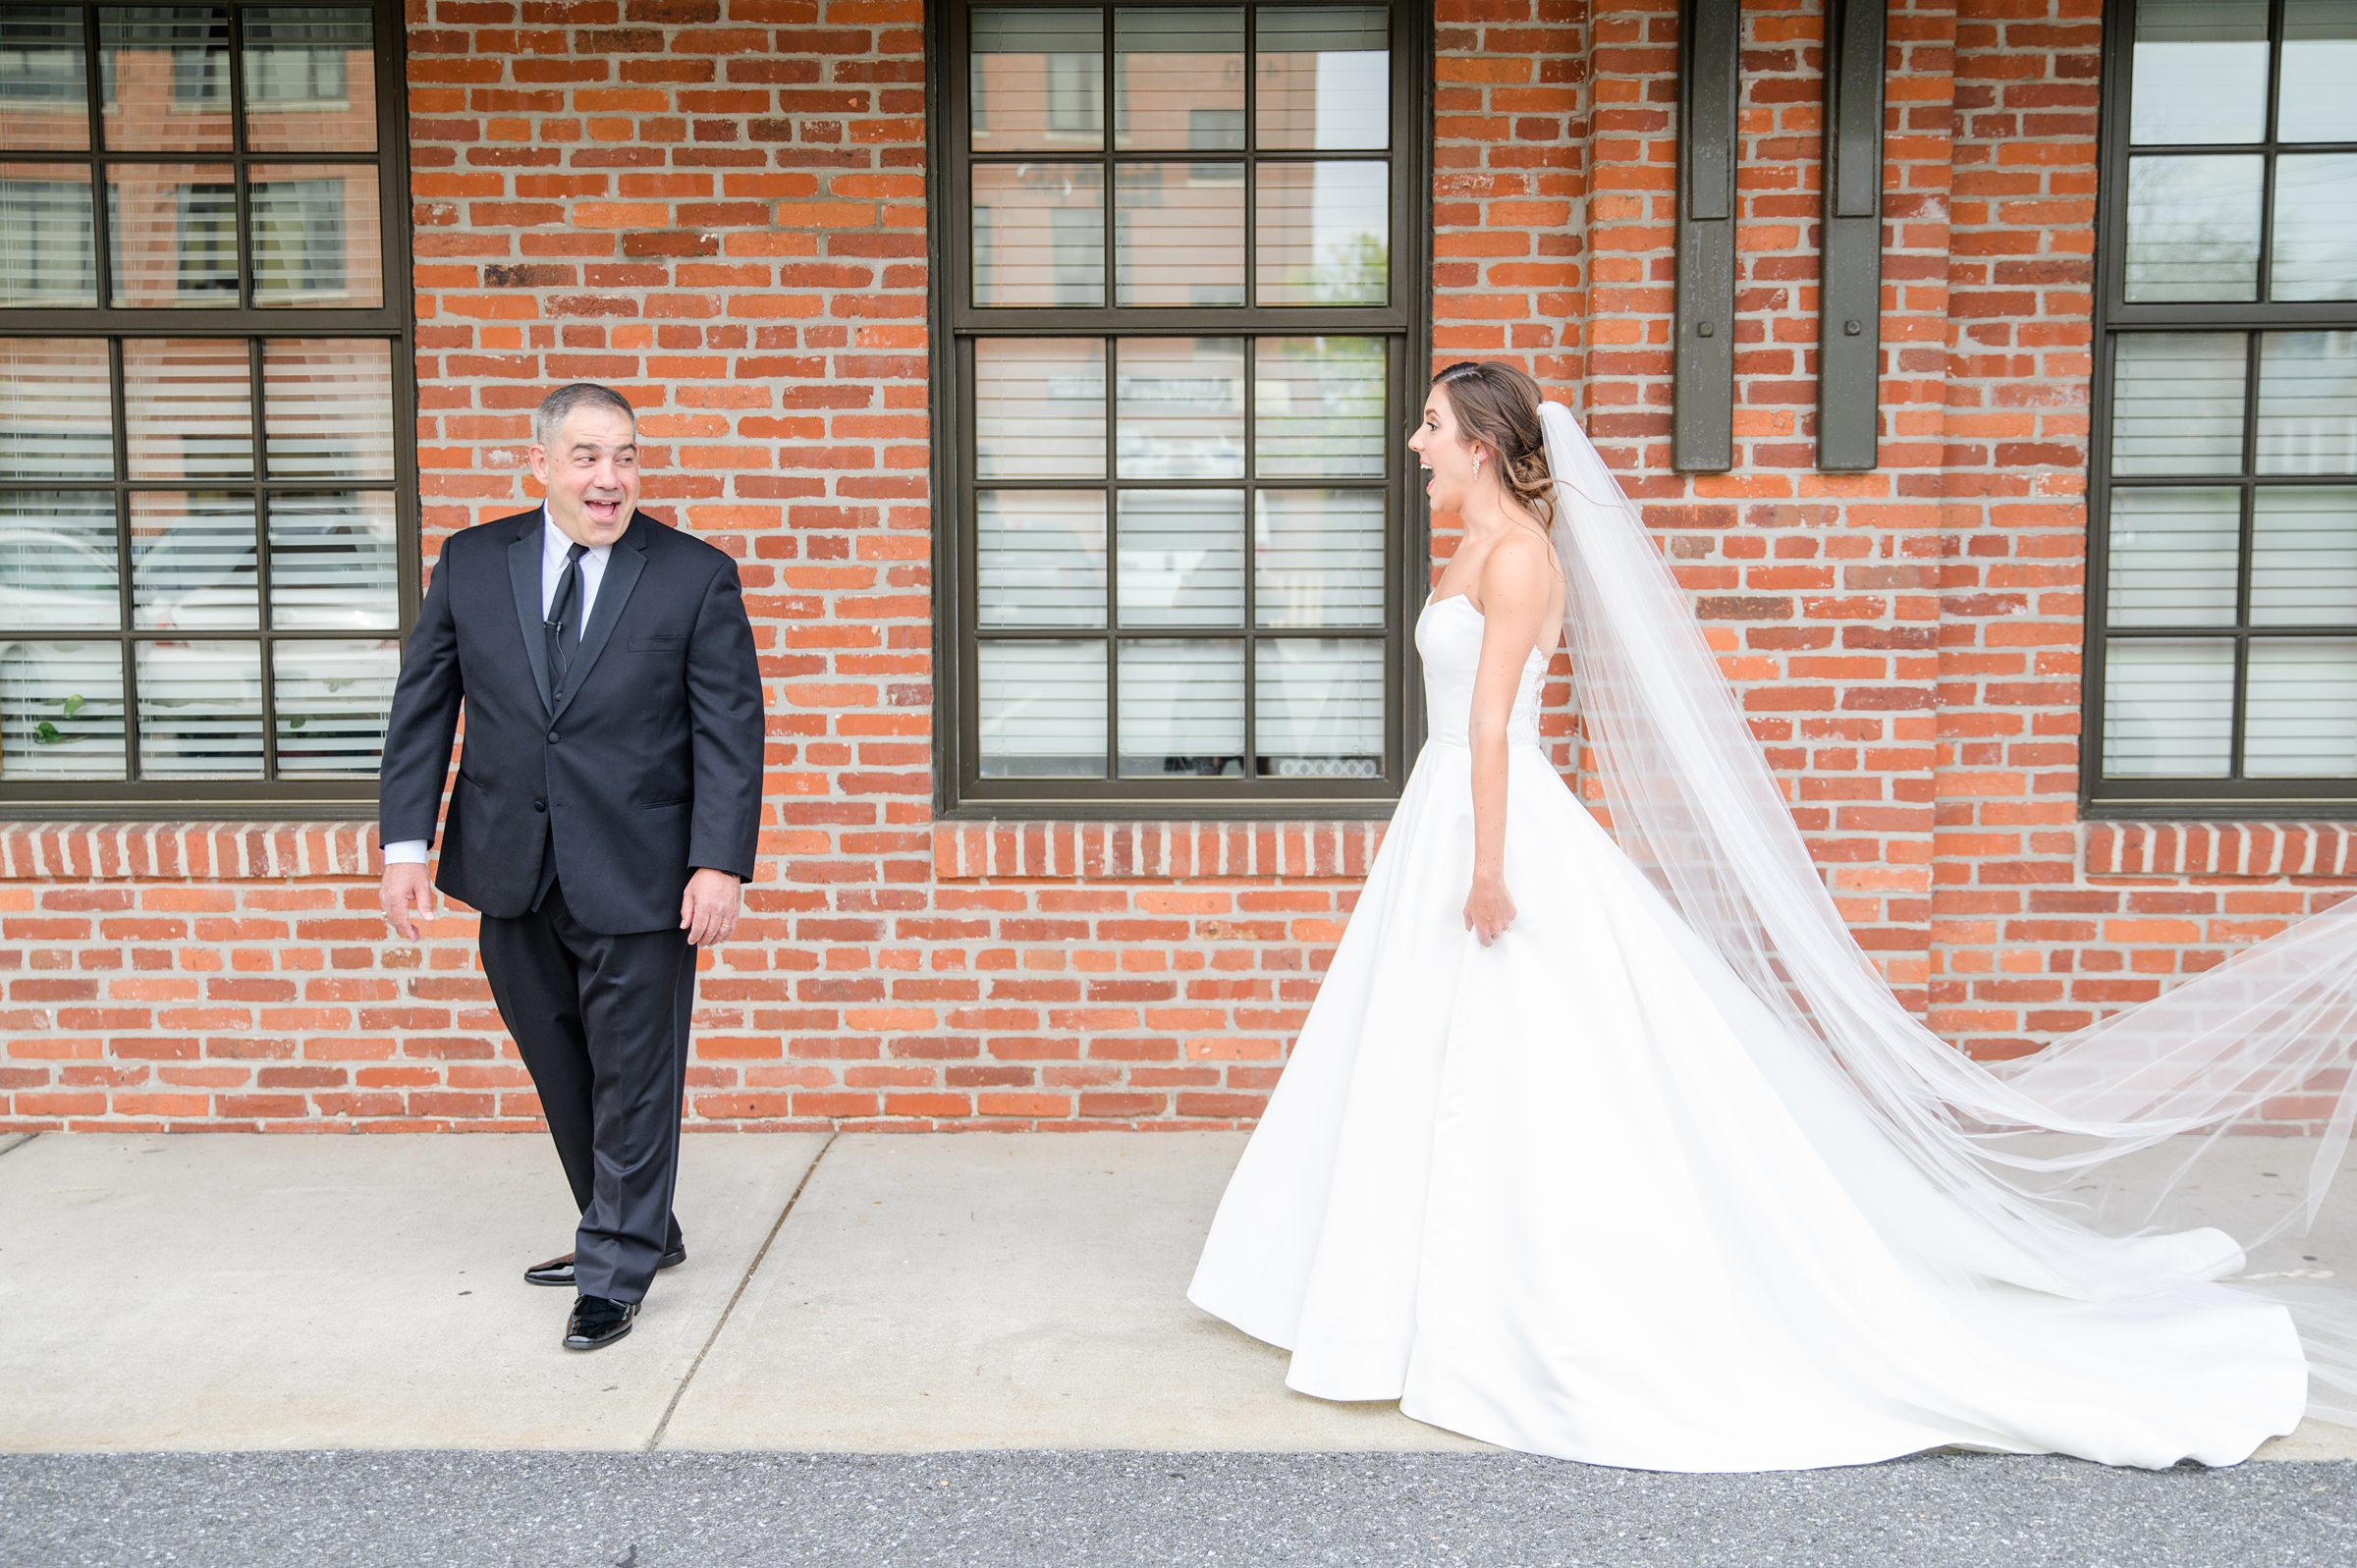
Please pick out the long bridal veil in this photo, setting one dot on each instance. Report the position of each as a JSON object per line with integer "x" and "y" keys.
{"x": 2031, "y": 1146}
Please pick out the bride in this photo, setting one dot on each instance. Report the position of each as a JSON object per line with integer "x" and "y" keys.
{"x": 1615, "y": 1146}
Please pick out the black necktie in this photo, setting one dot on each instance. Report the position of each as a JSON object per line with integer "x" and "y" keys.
{"x": 562, "y": 638}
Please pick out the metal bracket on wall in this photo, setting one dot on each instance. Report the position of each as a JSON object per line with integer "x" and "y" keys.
{"x": 1849, "y": 295}
{"x": 1703, "y": 385}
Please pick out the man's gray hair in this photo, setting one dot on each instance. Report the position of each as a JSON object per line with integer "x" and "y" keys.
{"x": 559, "y": 406}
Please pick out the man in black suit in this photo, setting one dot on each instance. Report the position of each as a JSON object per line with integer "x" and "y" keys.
{"x": 604, "y": 820}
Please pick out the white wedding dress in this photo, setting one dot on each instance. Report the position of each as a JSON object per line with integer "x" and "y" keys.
{"x": 1582, "y": 1192}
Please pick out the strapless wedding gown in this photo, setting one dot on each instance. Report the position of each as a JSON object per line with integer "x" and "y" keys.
{"x": 1541, "y": 1193}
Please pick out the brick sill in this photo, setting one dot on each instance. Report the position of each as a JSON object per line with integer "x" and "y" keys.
{"x": 2252, "y": 850}
{"x": 1175, "y": 851}
{"x": 223, "y": 851}
{"x": 963, "y": 851}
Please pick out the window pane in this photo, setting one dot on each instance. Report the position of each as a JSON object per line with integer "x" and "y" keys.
{"x": 1317, "y": 407}
{"x": 315, "y": 236}
{"x": 333, "y": 561}
{"x": 2193, "y": 228}
{"x": 1320, "y": 708}
{"x": 61, "y": 711}
{"x": 1323, "y": 77}
{"x": 1324, "y": 234}
{"x": 2177, "y": 403}
{"x": 48, "y": 237}
{"x": 190, "y": 406}
{"x": 1042, "y": 709}
{"x": 1182, "y": 557}
{"x": 56, "y": 409}
{"x": 1178, "y": 77}
{"x": 2169, "y": 704}
{"x": 1039, "y": 407}
{"x": 171, "y": 229}
{"x": 1182, "y": 709}
{"x": 1038, "y": 80}
{"x": 192, "y": 561}
{"x": 57, "y": 561}
{"x": 164, "y": 72}
{"x": 2175, "y": 556}
{"x": 2316, "y": 228}
{"x": 201, "y": 710}
{"x": 1039, "y": 233}
{"x": 327, "y": 409}
{"x": 1180, "y": 409}
{"x": 331, "y": 701}
{"x": 2320, "y": 62}
{"x": 1181, "y": 236}
{"x": 311, "y": 80}
{"x": 44, "y": 93}
{"x": 1041, "y": 558}
{"x": 2300, "y": 715}
{"x": 2308, "y": 402}
{"x": 2200, "y": 72}
{"x": 2304, "y": 556}
{"x": 1317, "y": 558}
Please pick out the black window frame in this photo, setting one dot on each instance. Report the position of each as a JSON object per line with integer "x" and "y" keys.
{"x": 132, "y": 799}
{"x": 1405, "y": 324}
{"x": 2114, "y": 317}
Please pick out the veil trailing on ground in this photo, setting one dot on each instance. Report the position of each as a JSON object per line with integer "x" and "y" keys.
{"x": 2034, "y": 1146}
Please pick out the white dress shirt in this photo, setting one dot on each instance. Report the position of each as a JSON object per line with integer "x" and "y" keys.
{"x": 553, "y": 545}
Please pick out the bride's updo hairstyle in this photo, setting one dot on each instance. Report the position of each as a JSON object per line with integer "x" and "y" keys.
{"x": 1498, "y": 404}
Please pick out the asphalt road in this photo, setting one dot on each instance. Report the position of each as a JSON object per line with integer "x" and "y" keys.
{"x": 1047, "y": 1510}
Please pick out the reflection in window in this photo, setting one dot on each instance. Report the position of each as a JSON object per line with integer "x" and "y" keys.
{"x": 2225, "y": 514}
{"x": 299, "y": 237}
{"x": 48, "y": 246}
{"x": 164, "y": 76}
{"x": 42, "y": 81}
{"x": 172, "y": 231}
{"x": 1217, "y": 614}
{"x": 201, "y": 517}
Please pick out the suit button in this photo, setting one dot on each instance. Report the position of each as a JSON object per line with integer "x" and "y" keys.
{"x": 552, "y": 737}
{"x": 539, "y": 804}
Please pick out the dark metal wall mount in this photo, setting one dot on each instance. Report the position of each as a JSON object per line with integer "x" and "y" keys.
{"x": 1851, "y": 246}
{"x": 1703, "y": 377}
{"x": 1849, "y": 295}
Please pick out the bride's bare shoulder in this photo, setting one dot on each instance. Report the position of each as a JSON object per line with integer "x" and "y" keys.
{"x": 1518, "y": 568}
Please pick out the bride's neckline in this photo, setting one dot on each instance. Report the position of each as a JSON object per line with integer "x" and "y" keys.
{"x": 1430, "y": 603}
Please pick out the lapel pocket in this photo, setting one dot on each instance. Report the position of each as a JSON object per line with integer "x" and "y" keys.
{"x": 658, "y": 641}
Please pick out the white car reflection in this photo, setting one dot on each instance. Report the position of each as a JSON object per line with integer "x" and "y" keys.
{"x": 200, "y": 698}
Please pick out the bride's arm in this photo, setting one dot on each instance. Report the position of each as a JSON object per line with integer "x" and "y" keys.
{"x": 1515, "y": 587}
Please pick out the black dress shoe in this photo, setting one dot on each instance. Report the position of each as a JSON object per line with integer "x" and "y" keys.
{"x": 597, "y": 1322}
{"x": 558, "y": 1270}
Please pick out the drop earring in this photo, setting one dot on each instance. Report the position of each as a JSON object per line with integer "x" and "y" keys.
{"x": 1477, "y": 467}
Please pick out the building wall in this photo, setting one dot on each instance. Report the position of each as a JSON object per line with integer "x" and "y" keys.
{"x": 719, "y": 206}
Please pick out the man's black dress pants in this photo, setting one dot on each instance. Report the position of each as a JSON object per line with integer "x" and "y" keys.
{"x": 602, "y": 1022}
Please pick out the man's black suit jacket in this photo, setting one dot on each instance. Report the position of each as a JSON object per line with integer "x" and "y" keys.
{"x": 647, "y": 766}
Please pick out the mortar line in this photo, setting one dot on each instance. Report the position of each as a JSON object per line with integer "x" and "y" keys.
{"x": 15, "y": 1141}
{"x": 655, "y": 1442}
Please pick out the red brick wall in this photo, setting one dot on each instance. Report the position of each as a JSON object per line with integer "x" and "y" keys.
{"x": 719, "y": 205}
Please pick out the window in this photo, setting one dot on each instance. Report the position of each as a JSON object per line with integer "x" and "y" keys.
{"x": 206, "y": 232}
{"x": 1182, "y": 309}
{"x": 206, "y": 523}
{"x": 41, "y": 57}
{"x": 2223, "y": 624}
{"x": 299, "y": 239}
{"x": 303, "y": 55}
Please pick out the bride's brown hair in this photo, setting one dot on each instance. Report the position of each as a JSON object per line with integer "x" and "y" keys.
{"x": 1498, "y": 404}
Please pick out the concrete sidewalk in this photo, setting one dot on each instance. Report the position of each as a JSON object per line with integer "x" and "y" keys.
{"x": 856, "y": 1293}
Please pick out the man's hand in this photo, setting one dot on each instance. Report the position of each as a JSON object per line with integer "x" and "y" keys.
{"x": 405, "y": 887}
{"x": 708, "y": 908}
